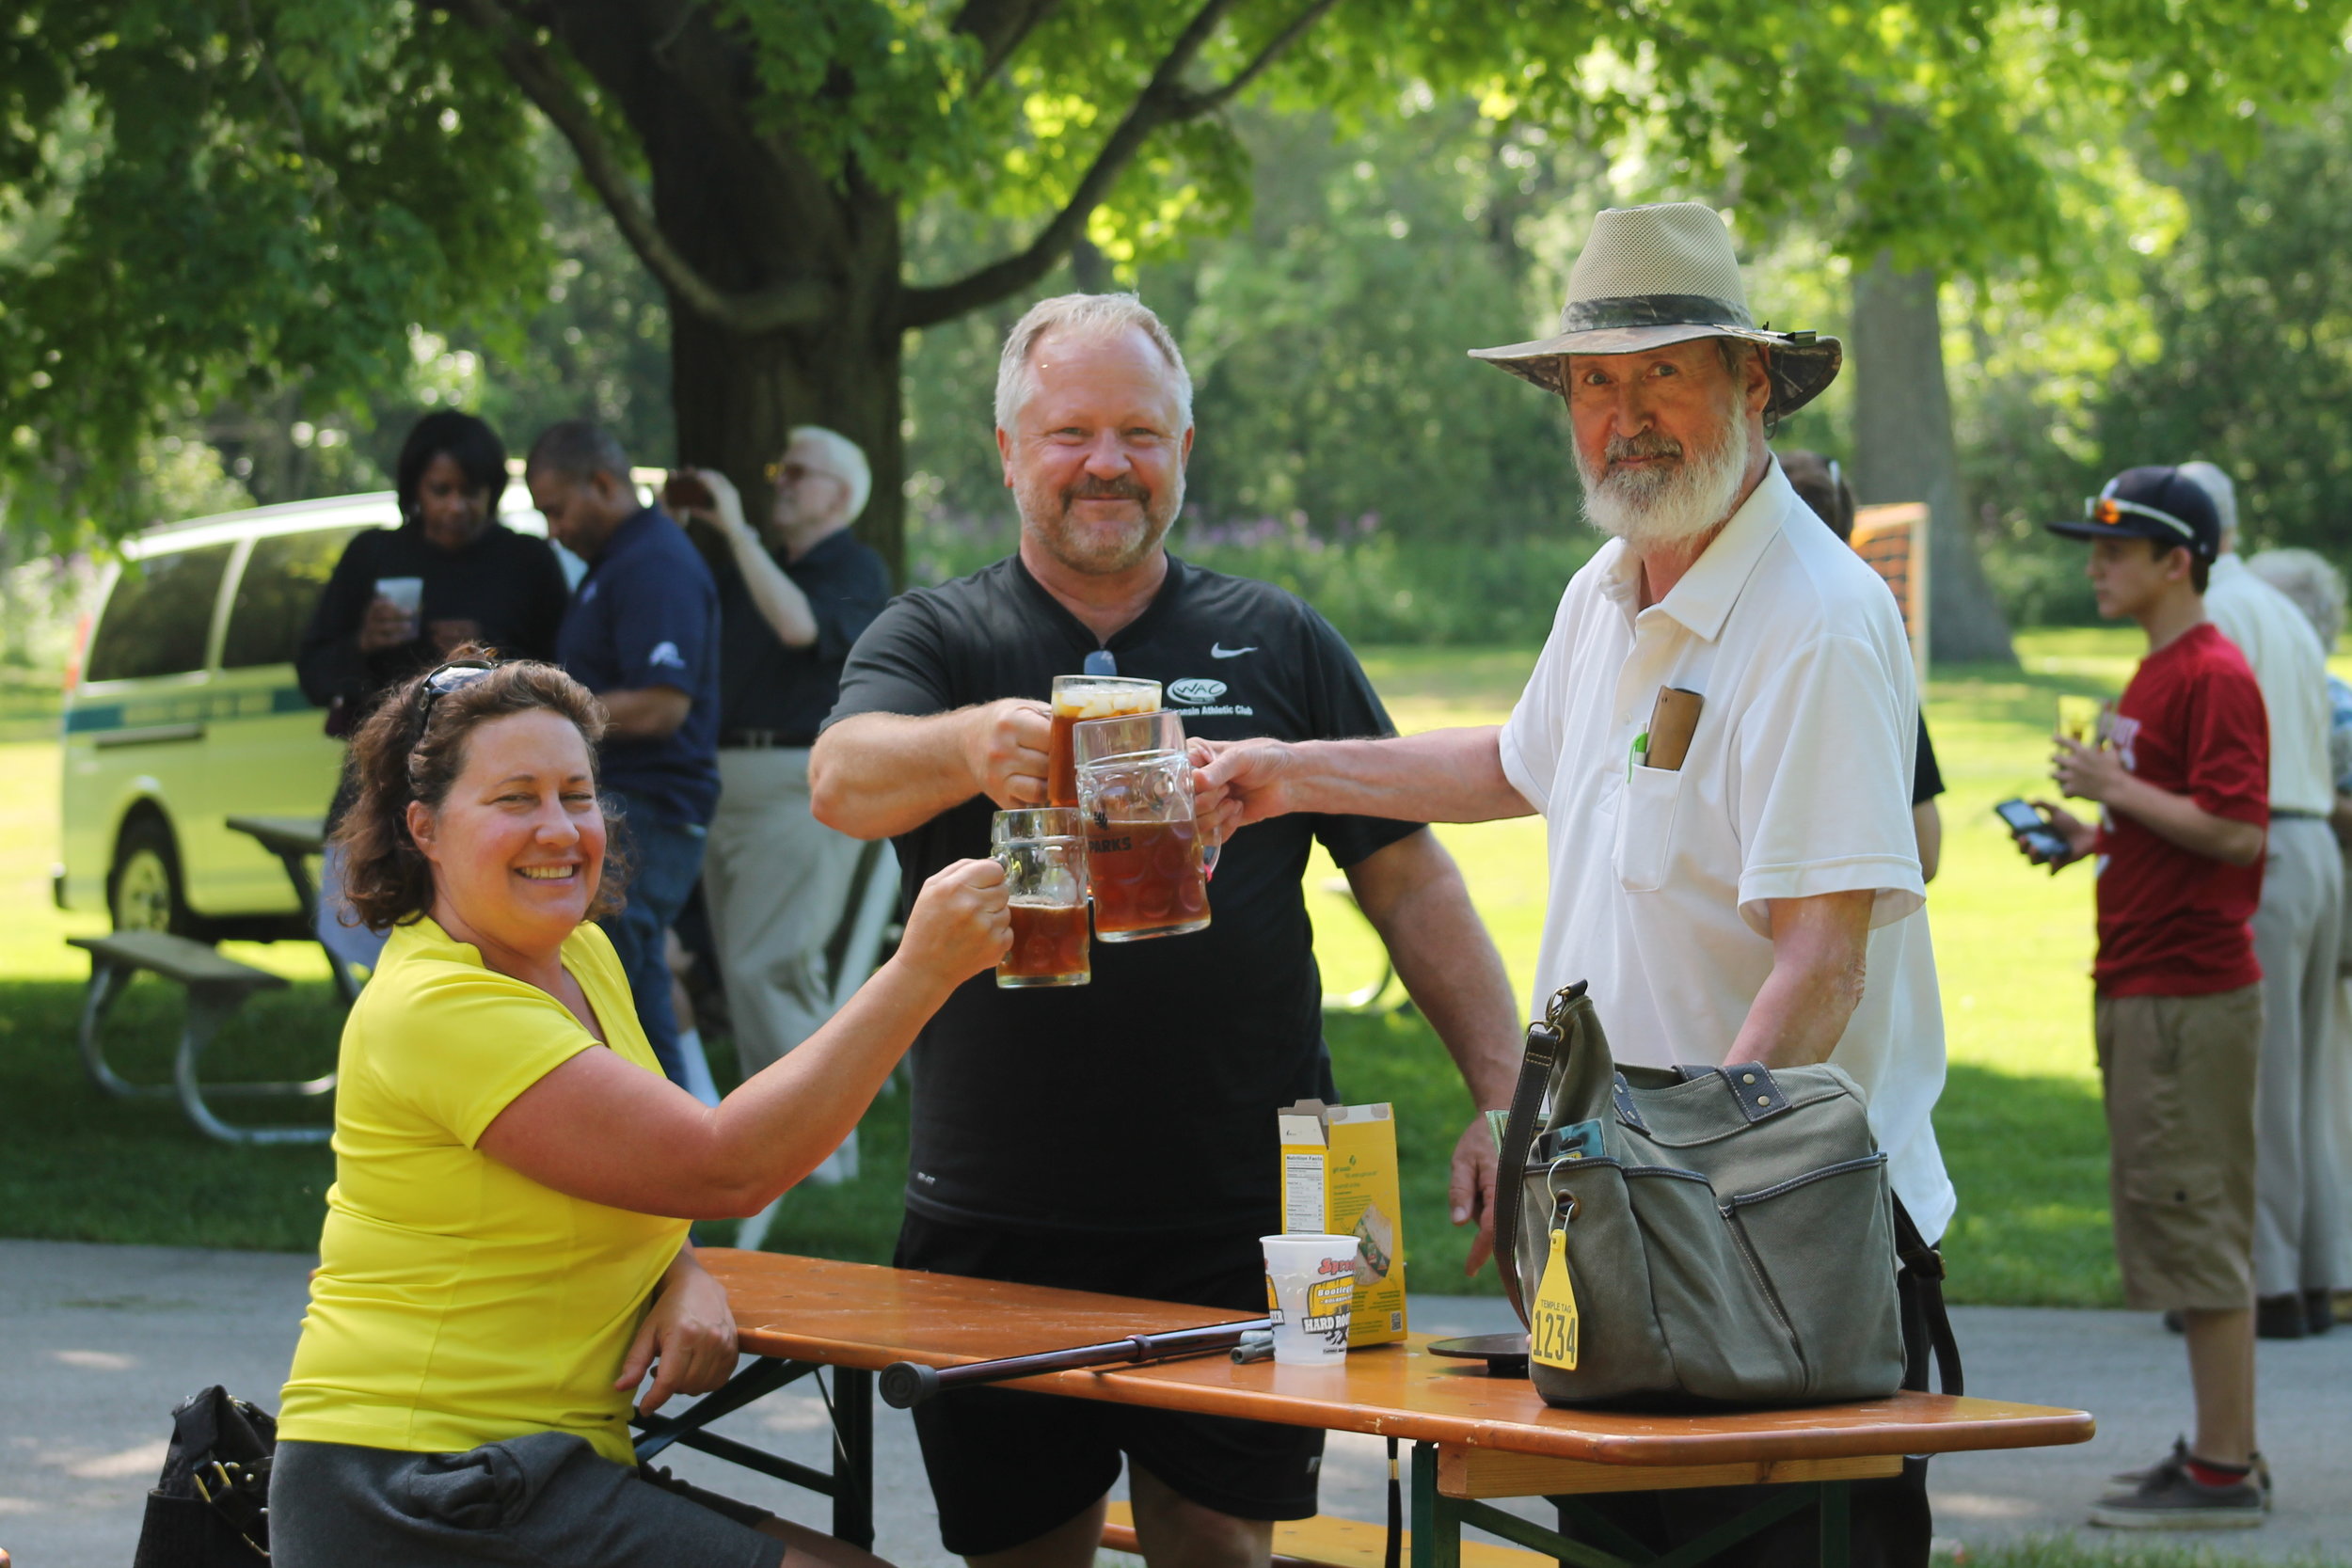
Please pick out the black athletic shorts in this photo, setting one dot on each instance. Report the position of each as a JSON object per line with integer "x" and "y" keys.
{"x": 1007, "y": 1467}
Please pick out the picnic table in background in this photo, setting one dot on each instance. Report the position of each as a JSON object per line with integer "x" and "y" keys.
{"x": 296, "y": 841}
{"x": 1474, "y": 1438}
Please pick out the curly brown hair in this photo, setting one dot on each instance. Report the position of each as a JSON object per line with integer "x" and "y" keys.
{"x": 401, "y": 755}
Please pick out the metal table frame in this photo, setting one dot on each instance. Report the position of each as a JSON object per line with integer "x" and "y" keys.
{"x": 851, "y": 1404}
{"x": 1436, "y": 1521}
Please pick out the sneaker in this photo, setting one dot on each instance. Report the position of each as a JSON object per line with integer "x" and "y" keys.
{"x": 2169, "y": 1497}
{"x": 2133, "y": 1479}
{"x": 2319, "y": 1311}
{"x": 2282, "y": 1317}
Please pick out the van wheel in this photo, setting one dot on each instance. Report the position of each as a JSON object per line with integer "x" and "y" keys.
{"x": 143, "y": 889}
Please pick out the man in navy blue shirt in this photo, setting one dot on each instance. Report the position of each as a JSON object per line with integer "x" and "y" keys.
{"x": 641, "y": 633}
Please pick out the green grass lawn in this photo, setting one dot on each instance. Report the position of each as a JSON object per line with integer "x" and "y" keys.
{"x": 2019, "y": 1123}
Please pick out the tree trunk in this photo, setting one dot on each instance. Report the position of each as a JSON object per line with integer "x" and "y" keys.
{"x": 736, "y": 398}
{"x": 1904, "y": 451}
{"x": 746, "y": 217}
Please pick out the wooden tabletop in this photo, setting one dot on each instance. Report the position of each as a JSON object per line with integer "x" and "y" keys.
{"x": 858, "y": 1315}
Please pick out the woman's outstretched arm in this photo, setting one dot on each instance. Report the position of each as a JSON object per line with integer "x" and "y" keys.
{"x": 600, "y": 1129}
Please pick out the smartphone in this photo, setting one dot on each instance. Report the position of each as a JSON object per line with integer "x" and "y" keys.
{"x": 683, "y": 491}
{"x": 2031, "y": 828}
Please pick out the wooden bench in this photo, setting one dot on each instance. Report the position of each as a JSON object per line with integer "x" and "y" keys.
{"x": 1325, "y": 1541}
{"x": 216, "y": 987}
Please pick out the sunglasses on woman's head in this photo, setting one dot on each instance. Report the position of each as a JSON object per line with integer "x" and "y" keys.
{"x": 446, "y": 679}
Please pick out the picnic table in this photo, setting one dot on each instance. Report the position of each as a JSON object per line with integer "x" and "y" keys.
{"x": 1474, "y": 1438}
{"x": 294, "y": 840}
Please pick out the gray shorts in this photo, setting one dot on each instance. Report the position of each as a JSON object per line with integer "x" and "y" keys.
{"x": 536, "y": 1500}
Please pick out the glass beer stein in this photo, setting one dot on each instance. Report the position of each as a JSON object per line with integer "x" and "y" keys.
{"x": 1145, "y": 861}
{"x": 1077, "y": 698}
{"x": 1043, "y": 852}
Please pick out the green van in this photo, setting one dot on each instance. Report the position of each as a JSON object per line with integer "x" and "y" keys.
{"x": 186, "y": 711}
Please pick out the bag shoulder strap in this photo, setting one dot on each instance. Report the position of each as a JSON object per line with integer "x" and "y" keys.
{"x": 1924, "y": 1264}
{"x": 1519, "y": 1135}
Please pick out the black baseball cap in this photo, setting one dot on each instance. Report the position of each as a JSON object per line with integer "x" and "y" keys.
{"x": 2155, "y": 502}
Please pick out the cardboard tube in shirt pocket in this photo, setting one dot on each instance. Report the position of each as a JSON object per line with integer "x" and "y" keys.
{"x": 1672, "y": 723}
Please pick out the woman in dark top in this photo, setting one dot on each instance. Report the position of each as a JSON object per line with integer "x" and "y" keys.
{"x": 1816, "y": 479}
{"x": 481, "y": 582}
{"x": 477, "y": 581}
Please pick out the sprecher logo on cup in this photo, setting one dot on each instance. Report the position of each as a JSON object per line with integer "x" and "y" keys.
{"x": 1197, "y": 690}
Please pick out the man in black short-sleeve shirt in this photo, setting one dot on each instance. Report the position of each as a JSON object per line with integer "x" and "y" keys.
{"x": 1121, "y": 1136}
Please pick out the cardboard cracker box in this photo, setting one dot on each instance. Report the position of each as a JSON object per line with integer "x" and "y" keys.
{"x": 1339, "y": 1177}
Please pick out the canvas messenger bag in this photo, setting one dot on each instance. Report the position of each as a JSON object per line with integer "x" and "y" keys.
{"x": 1693, "y": 1236}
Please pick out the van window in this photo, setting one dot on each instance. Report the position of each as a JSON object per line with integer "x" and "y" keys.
{"x": 283, "y": 578}
{"x": 157, "y": 617}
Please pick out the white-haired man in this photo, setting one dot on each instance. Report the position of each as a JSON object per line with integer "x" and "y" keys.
{"x": 2299, "y": 1202}
{"x": 793, "y": 598}
{"x": 1121, "y": 1136}
{"x": 1719, "y": 735}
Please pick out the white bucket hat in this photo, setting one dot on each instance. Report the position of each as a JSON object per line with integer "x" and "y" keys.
{"x": 1660, "y": 275}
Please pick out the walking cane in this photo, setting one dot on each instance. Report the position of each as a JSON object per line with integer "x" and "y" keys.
{"x": 906, "y": 1383}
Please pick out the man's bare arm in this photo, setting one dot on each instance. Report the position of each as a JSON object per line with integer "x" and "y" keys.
{"x": 1821, "y": 957}
{"x": 644, "y": 712}
{"x": 1437, "y": 776}
{"x": 2097, "y": 773}
{"x": 776, "y": 596}
{"x": 1414, "y": 895}
{"x": 880, "y": 774}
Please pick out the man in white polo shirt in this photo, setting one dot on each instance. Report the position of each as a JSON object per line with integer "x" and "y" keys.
{"x": 1719, "y": 735}
{"x": 2298, "y": 1173}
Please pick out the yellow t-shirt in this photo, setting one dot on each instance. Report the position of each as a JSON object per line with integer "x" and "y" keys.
{"x": 458, "y": 1301}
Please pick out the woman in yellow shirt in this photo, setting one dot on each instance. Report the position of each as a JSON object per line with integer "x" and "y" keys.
{"x": 505, "y": 1251}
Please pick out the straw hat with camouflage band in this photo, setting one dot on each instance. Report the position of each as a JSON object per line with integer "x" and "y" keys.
{"x": 1660, "y": 275}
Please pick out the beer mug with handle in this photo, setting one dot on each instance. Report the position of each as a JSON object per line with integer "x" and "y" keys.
{"x": 1077, "y": 699}
{"x": 1149, "y": 868}
{"x": 1043, "y": 852}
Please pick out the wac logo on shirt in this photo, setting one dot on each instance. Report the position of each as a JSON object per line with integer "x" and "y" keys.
{"x": 1195, "y": 697}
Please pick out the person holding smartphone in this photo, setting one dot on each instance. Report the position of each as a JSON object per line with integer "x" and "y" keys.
{"x": 794, "y": 595}
{"x": 2183, "y": 784}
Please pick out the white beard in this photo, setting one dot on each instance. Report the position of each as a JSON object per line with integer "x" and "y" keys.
{"x": 1653, "y": 508}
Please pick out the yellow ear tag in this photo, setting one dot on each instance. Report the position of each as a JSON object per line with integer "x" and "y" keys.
{"x": 1552, "y": 1326}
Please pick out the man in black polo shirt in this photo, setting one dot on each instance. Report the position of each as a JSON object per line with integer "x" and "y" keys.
{"x": 790, "y": 604}
{"x": 641, "y": 633}
{"x": 1121, "y": 1136}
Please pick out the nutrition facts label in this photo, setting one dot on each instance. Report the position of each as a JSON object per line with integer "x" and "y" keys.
{"x": 1302, "y": 1193}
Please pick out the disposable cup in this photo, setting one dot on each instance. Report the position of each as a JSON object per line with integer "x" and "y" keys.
{"x": 1310, "y": 1294}
{"x": 407, "y": 592}
{"x": 2079, "y": 719}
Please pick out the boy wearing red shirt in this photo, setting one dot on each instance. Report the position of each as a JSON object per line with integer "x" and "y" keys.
{"x": 2183, "y": 773}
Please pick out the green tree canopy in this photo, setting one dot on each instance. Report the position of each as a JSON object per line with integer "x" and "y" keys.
{"x": 220, "y": 197}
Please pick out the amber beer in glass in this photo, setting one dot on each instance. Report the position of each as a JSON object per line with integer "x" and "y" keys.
{"x": 1077, "y": 699}
{"x": 1043, "y": 852}
{"x": 1144, "y": 857}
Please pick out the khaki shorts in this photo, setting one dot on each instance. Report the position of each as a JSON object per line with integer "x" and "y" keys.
{"x": 2178, "y": 1073}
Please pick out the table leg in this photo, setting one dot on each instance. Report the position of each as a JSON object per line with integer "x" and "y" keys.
{"x": 209, "y": 1007}
{"x": 298, "y": 873}
{"x": 108, "y": 982}
{"x": 853, "y": 1456}
{"x": 1437, "y": 1518}
{"x": 1836, "y": 1523}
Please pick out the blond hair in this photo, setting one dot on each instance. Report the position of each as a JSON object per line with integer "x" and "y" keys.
{"x": 1090, "y": 315}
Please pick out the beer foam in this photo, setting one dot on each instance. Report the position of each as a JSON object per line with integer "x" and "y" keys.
{"x": 1104, "y": 702}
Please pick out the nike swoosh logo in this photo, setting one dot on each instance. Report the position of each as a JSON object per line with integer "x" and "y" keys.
{"x": 1219, "y": 650}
